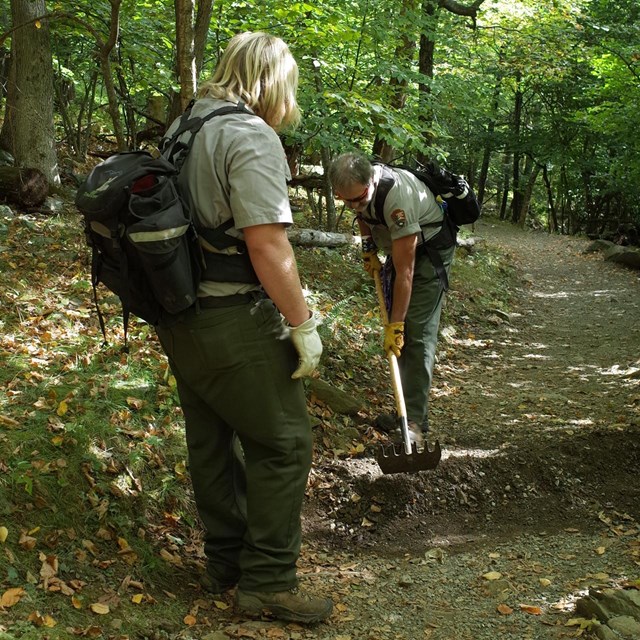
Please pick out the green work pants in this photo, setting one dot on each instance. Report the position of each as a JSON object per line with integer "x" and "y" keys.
{"x": 421, "y": 335}
{"x": 233, "y": 370}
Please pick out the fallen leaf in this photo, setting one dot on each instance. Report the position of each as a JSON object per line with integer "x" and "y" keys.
{"x": 8, "y": 422}
{"x": 137, "y": 598}
{"x": 49, "y": 566}
{"x": 492, "y": 575}
{"x": 4, "y": 533}
{"x": 27, "y": 542}
{"x": 38, "y": 620}
{"x": 545, "y": 582}
{"x": 504, "y": 609}
{"x": 221, "y": 605}
{"x": 534, "y": 611}
{"x": 583, "y": 623}
{"x": 600, "y": 550}
{"x": 99, "y": 608}
{"x": 189, "y": 620}
{"x": 11, "y": 597}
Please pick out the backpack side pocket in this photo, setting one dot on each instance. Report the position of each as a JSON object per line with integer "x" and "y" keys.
{"x": 164, "y": 238}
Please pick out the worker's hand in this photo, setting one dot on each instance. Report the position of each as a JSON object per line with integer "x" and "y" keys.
{"x": 371, "y": 262}
{"x": 394, "y": 338}
{"x": 308, "y": 345}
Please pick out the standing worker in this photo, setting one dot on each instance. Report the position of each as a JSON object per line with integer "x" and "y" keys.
{"x": 419, "y": 244}
{"x": 236, "y": 362}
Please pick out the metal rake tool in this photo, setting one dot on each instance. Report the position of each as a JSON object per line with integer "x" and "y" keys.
{"x": 407, "y": 459}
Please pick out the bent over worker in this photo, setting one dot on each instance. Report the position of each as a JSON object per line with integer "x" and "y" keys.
{"x": 408, "y": 229}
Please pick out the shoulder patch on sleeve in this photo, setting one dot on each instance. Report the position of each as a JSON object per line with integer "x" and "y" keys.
{"x": 399, "y": 218}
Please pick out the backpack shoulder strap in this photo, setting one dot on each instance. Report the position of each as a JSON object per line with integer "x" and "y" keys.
{"x": 177, "y": 151}
{"x": 387, "y": 180}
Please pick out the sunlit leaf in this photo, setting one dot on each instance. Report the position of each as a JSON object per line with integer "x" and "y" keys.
{"x": 99, "y": 608}
{"x": 38, "y": 620}
{"x": 492, "y": 575}
{"x": 534, "y": 611}
{"x": 4, "y": 533}
{"x": 11, "y": 597}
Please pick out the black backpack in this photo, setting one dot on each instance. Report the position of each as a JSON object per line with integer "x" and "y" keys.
{"x": 459, "y": 200}
{"x": 144, "y": 242}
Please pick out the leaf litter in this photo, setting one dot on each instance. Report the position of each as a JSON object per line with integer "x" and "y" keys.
{"x": 529, "y": 492}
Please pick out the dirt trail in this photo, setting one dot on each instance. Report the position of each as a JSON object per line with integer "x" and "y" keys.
{"x": 537, "y": 497}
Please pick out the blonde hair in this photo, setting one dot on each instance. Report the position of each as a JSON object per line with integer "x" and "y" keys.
{"x": 258, "y": 69}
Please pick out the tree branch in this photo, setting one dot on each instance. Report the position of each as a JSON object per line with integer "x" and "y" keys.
{"x": 460, "y": 9}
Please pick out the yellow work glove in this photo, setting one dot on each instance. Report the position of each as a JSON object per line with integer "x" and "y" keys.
{"x": 394, "y": 338}
{"x": 308, "y": 345}
{"x": 371, "y": 262}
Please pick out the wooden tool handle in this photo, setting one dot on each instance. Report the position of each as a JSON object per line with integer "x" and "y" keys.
{"x": 401, "y": 408}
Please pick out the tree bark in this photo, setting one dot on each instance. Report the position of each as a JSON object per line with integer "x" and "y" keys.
{"x": 25, "y": 187}
{"x": 185, "y": 56}
{"x": 313, "y": 238}
{"x": 517, "y": 154}
{"x": 201, "y": 31}
{"x": 31, "y": 111}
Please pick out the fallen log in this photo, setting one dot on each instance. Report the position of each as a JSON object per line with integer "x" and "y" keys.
{"x": 313, "y": 238}
{"x": 24, "y": 187}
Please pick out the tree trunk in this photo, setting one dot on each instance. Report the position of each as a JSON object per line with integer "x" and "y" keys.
{"x": 488, "y": 148}
{"x": 403, "y": 56}
{"x": 517, "y": 124}
{"x": 552, "y": 217}
{"x": 327, "y": 188}
{"x": 31, "y": 117}
{"x": 104, "y": 53}
{"x": 425, "y": 66}
{"x": 201, "y": 33}
{"x": 185, "y": 54}
{"x": 25, "y": 187}
{"x": 531, "y": 170}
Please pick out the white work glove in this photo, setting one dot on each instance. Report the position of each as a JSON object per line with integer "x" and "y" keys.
{"x": 308, "y": 345}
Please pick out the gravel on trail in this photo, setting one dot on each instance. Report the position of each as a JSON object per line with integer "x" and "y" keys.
{"x": 537, "y": 497}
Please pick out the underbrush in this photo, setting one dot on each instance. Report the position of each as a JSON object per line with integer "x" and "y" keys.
{"x": 97, "y": 523}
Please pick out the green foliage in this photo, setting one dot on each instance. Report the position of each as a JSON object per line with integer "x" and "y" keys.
{"x": 574, "y": 63}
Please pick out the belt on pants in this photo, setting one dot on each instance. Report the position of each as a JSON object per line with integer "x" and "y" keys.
{"x": 219, "y": 302}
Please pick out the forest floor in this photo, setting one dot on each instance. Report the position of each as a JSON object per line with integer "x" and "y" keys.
{"x": 536, "y": 499}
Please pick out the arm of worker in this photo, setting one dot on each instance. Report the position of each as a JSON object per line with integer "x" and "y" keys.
{"x": 403, "y": 252}
{"x": 274, "y": 262}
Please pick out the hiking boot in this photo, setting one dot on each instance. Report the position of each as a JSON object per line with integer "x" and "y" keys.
{"x": 215, "y": 587}
{"x": 386, "y": 422}
{"x": 285, "y": 605}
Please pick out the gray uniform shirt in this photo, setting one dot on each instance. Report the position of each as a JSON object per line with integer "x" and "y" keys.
{"x": 408, "y": 208}
{"x": 236, "y": 169}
